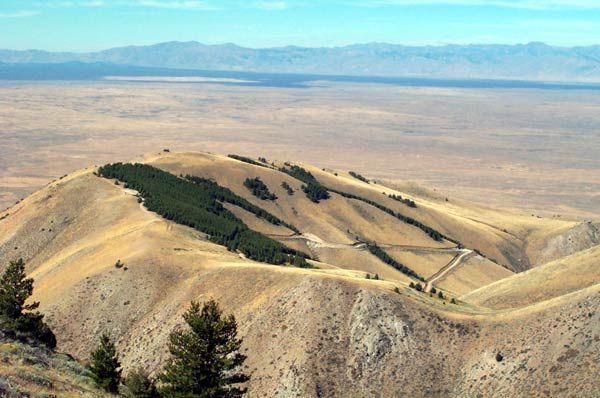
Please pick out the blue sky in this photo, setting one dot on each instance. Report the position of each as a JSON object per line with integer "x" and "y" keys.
{"x": 84, "y": 25}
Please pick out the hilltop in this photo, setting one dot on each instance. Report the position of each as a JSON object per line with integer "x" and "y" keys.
{"x": 348, "y": 325}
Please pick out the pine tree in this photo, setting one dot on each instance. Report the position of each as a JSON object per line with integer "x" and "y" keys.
{"x": 138, "y": 384}
{"x": 205, "y": 357}
{"x": 105, "y": 366}
{"x": 15, "y": 289}
{"x": 15, "y": 315}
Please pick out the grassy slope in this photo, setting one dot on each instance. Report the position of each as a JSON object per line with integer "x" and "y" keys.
{"x": 30, "y": 371}
{"x": 327, "y": 330}
{"x": 425, "y": 264}
{"x": 474, "y": 273}
{"x": 554, "y": 279}
{"x": 511, "y": 238}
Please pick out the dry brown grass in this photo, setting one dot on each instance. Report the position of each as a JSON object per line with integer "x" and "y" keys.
{"x": 472, "y": 274}
{"x": 306, "y": 332}
{"x": 534, "y": 150}
{"x": 30, "y": 371}
{"x": 557, "y": 278}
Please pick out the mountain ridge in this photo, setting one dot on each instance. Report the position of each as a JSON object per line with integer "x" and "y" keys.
{"x": 329, "y": 331}
{"x": 532, "y": 61}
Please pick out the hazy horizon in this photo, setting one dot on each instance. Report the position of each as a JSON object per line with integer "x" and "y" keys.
{"x": 92, "y": 25}
{"x": 292, "y": 45}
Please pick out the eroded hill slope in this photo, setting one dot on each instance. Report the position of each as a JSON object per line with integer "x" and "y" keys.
{"x": 307, "y": 332}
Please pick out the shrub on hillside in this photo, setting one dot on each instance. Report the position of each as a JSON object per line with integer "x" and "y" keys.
{"x": 139, "y": 384}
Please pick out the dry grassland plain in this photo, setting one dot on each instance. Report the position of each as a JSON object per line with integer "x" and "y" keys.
{"x": 533, "y": 150}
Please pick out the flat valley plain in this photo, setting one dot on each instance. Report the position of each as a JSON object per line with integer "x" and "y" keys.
{"x": 535, "y": 150}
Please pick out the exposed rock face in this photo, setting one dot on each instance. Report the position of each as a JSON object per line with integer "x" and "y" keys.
{"x": 580, "y": 237}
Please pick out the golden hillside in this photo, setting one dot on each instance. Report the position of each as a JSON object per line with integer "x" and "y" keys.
{"x": 32, "y": 371}
{"x": 327, "y": 331}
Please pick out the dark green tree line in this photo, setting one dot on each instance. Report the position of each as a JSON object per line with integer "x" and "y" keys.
{"x": 223, "y": 194}
{"x": 406, "y": 201}
{"x": 259, "y": 189}
{"x": 358, "y": 176}
{"x": 312, "y": 188}
{"x": 315, "y": 192}
{"x": 249, "y": 160}
{"x": 383, "y": 256}
{"x": 287, "y": 187}
{"x": 308, "y": 178}
{"x": 192, "y": 202}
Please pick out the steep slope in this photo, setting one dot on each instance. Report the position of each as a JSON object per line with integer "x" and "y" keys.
{"x": 563, "y": 241}
{"x": 473, "y": 273}
{"x": 503, "y": 237}
{"x": 554, "y": 279}
{"x": 307, "y": 332}
{"x": 27, "y": 370}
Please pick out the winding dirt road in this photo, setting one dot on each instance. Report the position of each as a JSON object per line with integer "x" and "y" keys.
{"x": 456, "y": 261}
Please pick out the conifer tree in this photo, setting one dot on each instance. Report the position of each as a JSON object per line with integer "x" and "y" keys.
{"x": 105, "y": 366}
{"x": 15, "y": 289}
{"x": 205, "y": 357}
{"x": 15, "y": 315}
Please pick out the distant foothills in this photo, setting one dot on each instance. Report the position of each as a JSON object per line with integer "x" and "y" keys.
{"x": 532, "y": 61}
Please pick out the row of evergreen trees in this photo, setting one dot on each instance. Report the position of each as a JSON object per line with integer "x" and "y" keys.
{"x": 225, "y": 195}
{"x": 299, "y": 173}
{"x": 312, "y": 188}
{"x": 383, "y": 256}
{"x": 205, "y": 361}
{"x": 434, "y": 234}
{"x": 406, "y": 201}
{"x": 316, "y": 191}
{"x": 195, "y": 203}
{"x": 262, "y": 163}
{"x": 358, "y": 176}
{"x": 259, "y": 189}
{"x": 288, "y": 188}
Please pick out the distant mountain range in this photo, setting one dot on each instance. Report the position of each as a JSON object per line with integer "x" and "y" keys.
{"x": 533, "y": 61}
